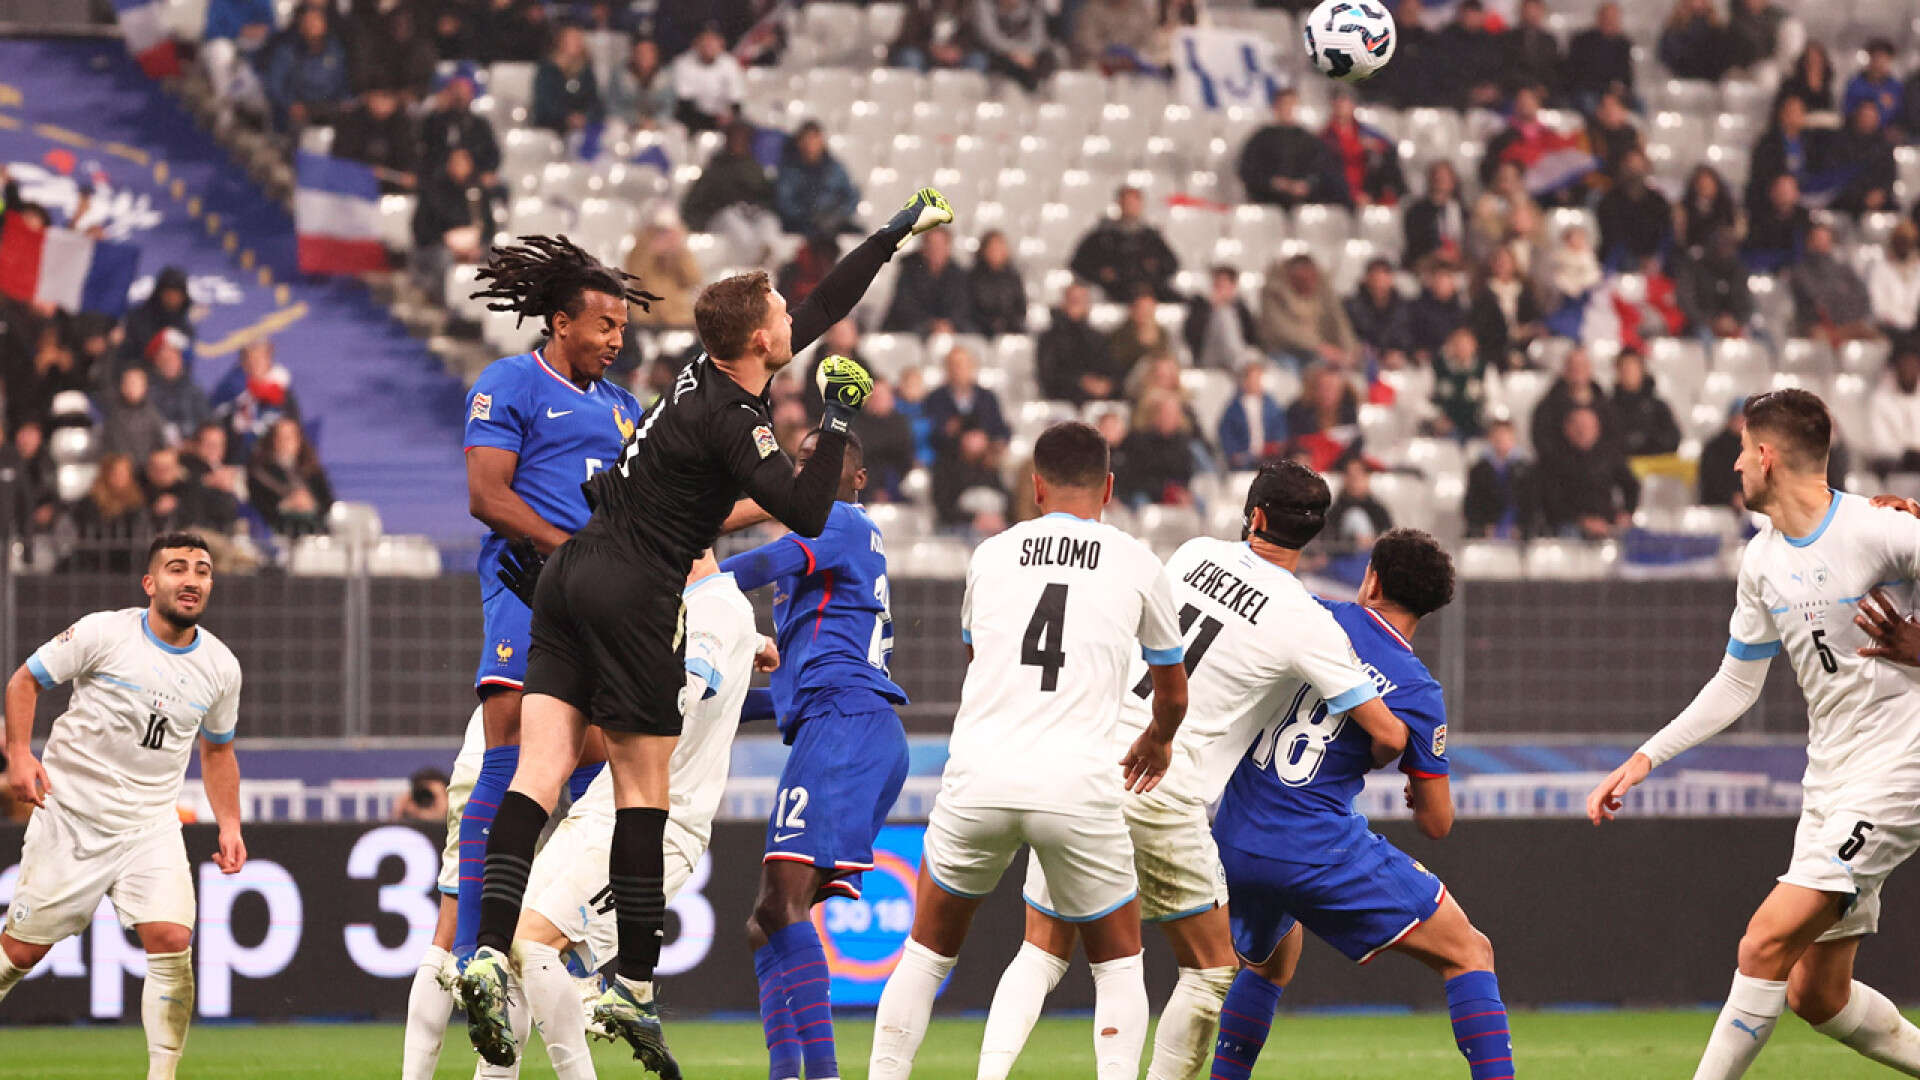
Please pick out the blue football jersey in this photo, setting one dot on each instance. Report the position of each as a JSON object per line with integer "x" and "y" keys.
{"x": 1291, "y": 797}
{"x": 562, "y": 434}
{"x": 832, "y": 620}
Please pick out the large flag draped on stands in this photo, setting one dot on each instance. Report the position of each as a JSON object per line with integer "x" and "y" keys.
{"x": 1216, "y": 68}
{"x": 144, "y": 24}
{"x": 67, "y": 269}
{"x": 336, "y": 214}
{"x": 1550, "y": 160}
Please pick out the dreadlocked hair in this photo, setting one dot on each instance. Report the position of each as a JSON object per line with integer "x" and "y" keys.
{"x": 544, "y": 275}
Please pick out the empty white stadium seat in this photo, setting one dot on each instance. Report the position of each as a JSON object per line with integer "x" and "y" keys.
{"x": 318, "y": 556}
{"x": 70, "y": 443}
{"x": 353, "y": 522}
{"x": 1491, "y": 560}
{"x": 1571, "y": 560}
{"x": 404, "y": 556}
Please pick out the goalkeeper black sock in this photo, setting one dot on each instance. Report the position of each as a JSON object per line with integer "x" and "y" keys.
{"x": 516, "y": 830}
{"x": 635, "y": 868}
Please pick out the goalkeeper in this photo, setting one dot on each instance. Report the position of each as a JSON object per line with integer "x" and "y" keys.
{"x": 606, "y": 642}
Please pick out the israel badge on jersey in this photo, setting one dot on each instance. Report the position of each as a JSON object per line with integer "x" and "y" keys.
{"x": 764, "y": 441}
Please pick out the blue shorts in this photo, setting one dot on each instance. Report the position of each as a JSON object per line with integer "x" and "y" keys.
{"x": 841, "y": 779}
{"x": 509, "y": 630}
{"x": 1360, "y": 906}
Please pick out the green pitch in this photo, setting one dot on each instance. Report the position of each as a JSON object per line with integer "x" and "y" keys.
{"x": 1552, "y": 1046}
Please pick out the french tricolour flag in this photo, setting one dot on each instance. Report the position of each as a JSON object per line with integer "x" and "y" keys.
{"x": 68, "y": 269}
{"x": 336, "y": 212}
{"x": 144, "y": 24}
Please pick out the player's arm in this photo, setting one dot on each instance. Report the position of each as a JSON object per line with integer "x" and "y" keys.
{"x": 834, "y": 298}
{"x": 1164, "y": 649}
{"x": 788, "y": 556}
{"x": 800, "y": 501}
{"x": 492, "y": 500}
{"x": 1730, "y": 693}
{"x": 746, "y": 514}
{"x": 1389, "y": 735}
{"x": 220, "y": 775}
{"x": 27, "y": 780}
{"x": 1431, "y": 799}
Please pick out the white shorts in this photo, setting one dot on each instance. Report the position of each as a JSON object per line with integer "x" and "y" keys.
{"x": 568, "y": 883}
{"x": 466, "y": 769}
{"x": 1088, "y": 857}
{"x": 1849, "y": 845}
{"x": 1174, "y": 858}
{"x": 146, "y": 875}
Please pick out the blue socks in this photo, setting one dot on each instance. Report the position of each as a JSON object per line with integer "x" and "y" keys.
{"x": 783, "y": 1048}
{"x": 1245, "y": 1018}
{"x": 1480, "y": 1025}
{"x": 804, "y": 975}
{"x": 476, "y": 822}
{"x": 582, "y": 776}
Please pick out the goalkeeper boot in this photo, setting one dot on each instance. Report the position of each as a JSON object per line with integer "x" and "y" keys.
{"x": 483, "y": 994}
{"x": 624, "y": 1013}
{"x": 926, "y": 210}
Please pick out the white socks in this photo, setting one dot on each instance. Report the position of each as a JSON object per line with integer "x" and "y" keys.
{"x": 900, "y": 1022}
{"x": 1752, "y": 1011}
{"x": 553, "y": 999}
{"x": 1119, "y": 1017}
{"x": 10, "y": 976}
{"x": 428, "y": 1009}
{"x": 1183, "y": 1044}
{"x": 1023, "y": 989}
{"x": 166, "y": 1008}
{"x": 1872, "y": 1025}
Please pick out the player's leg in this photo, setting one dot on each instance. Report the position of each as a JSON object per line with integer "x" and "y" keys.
{"x": 566, "y": 931}
{"x": 1786, "y": 923}
{"x": 1184, "y": 892}
{"x": 17, "y": 959}
{"x": 1246, "y": 1017}
{"x": 1088, "y": 859}
{"x": 552, "y": 995}
{"x": 783, "y": 955}
{"x": 636, "y": 872}
{"x": 429, "y": 1004}
{"x": 54, "y": 897}
{"x": 1448, "y": 943}
{"x": 1190, "y": 1021}
{"x": 166, "y": 995}
{"x": 499, "y": 682}
{"x": 1033, "y": 973}
{"x": 1823, "y": 992}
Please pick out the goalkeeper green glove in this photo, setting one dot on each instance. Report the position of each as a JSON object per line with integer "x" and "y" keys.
{"x": 844, "y": 386}
{"x": 926, "y": 210}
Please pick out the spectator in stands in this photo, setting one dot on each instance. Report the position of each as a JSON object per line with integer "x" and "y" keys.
{"x": 641, "y": 92}
{"x": 1504, "y": 211}
{"x": 452, "y": 126}
{"x": 1830, "y": 302}
{"x": 233, "y": 46}
{"x": 167, "y": 307}
{"x": 1459, "y": 387}
{"x": 566, "y": 95}
{"x": 180, "y": 400}
{"x": 1115, "y": 35}
{"x": 252, "y": 397}
{"x": 1013, "y": 34}
{"x": 707, "y": 83}
{"x": 798, "y": 276}
{"x": 307, "y": 73}
{"x": 1072, "y": 360}
{"x": 841, "y": 339}
{"x": 453, "y": 221}
{"x": 663, "y": 263}
{"x": 1787, "y": 147}
{"x": 1644, "y": 421}
{"x": 426, "y": 798}
{"x": 1437, "y": 221}
{"x": 968, "y": 493}
{"x": 512, "y": 30}
{"x": 1220, "y": 329}
{"x": 132, "y": 425}
{"x": 1503, "y": 313}
{"x": 1301, "y": 318}
{"x": 938, "y": 34}
{"x": 1123, "y": 253}
{"x": 733, "y": 198}
{"x": 960, "y": 403}
{"x": 1600, "y": 61}
{"x": 1695, "y": 44}
{"x": 1570, "y": 270}
{"x": 1777, "y": 232}
{"x": 1908, "y": 122}
{"x": 1893, "y": 429}
{"x": 1863, "y": 155}
{"x": 394, "y": 55}
{"x": 170, "y": 492}
{"x": 286, "y": 482}
{"x": 1706, "y": 207}
{"x": 813, "y": 193}
{"x": 378, "y": 133}
{"x": 1323, "y": 421}
{"x": 1368, "y": 158}
{"x": 1755, "y": 28}
{"x": 1356, "y": 517}
{"x": 1875, "y": 84}
{"x": 886, "y": 436}
{"x": 1381, "y": 318}
{"x": 1635, "y": 221}
{"x": 1160, "y": 372}
{"x": 1157, "y": 455}
{"x": 110, "y": 519}
{"x": 1284, "y": 164}
{"x": 1612, "y": 134}
{"x": 1502, "y": 501}
{"x": 996, "y": 294}
{"x": 1472, "y": 66}
{"x": 1532, "y": 52}
{"x": 1410, "y": 81}
{"x": 1437, "y": 312}
{"x": 1810, "y": 81}
{"x": 1893, "y": 281}
{"x": 1719, "y": 483}
{"x": 1575, "y": 389}
{"x": 910, "y": 394}
{"x": 1586, "y": 487}
{"x": 1525, "y": 140}
{"x": 1139, "y": 335}
{"x": 930, "y": 296}
{"x": 1253, "y": 426}
{"x": 27, "y": 478}
{"x": 1711, "y": 287}
{"x": 217, "y": 485}
{"x": 29, "y": 399}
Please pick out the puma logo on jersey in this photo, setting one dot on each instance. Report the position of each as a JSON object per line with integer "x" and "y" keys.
{"x": 551, "y": 415}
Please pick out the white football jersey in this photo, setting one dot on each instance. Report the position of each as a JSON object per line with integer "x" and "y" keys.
{"x": 1056, "y": 610}
{"x": 117, "y": 756}
{"x": 1798, "y": 593}
{"x": 1253, "y": 635}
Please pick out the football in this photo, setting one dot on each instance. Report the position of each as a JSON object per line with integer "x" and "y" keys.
{"x": 1349, "y": 40}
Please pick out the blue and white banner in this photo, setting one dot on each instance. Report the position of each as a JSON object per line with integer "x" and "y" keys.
{"x": 1216, "y": 69}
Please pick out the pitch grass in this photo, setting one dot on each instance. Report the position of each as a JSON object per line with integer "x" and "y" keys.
{"x": 1559, "y": 1046}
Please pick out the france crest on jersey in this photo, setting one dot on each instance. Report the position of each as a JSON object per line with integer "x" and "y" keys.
{"x": 833, "y": 621}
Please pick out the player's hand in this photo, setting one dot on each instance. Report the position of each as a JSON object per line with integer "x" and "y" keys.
{"x": 520, "y": 568}
{"x": 844, "y": 387}
{"x": 232, "y": 854}
{"x": 1606, "y": 799}
{"x": 27, "y": 780}
{"x": 1897, "y": 502}
{"x": 927, "y": 209}
{"x": 767, "y": 657}
{"x": 1146, "y": 762}
{"x": 1895, "y": 637}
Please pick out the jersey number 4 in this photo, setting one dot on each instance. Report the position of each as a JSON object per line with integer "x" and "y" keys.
{"x": 1041, "y": 647}
{"x": 155, "y": 736}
